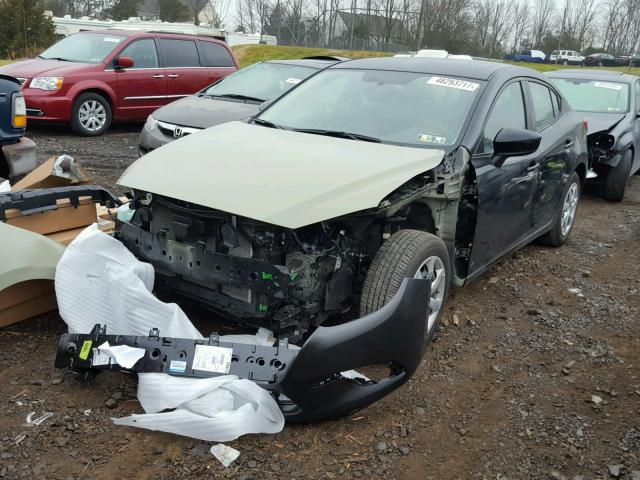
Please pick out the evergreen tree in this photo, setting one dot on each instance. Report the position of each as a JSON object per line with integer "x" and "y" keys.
{"x": 24, "y": 28}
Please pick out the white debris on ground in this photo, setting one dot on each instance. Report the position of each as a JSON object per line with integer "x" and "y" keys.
{"x": 225, "y": 454}
{"x": 99, "y": 281}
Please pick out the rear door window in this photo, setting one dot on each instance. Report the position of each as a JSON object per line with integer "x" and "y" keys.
{"x": 507, "y": 112}
{"x": 215, "y": 55}
{"x": 542, "y": 105}
{"x": 179, "y": 53}
{"x": 143, "y": 52}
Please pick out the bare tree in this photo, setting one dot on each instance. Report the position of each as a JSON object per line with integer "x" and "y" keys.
{"x": 522, "y": 22}
{"x": 542, "y": 19}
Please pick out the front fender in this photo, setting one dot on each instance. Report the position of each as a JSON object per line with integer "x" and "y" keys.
{"x": 92, "y": 85}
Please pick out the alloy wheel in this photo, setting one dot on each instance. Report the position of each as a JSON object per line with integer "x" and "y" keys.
{"x": 92, "y": 115}
{"x": 433, "y": 269}
{"x": 569, "y": 209}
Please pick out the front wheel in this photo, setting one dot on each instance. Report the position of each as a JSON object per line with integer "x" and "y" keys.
{"x": 91, "y": 115}
{"x": 408, "y": 254}
{"x": 617, "y": 177}
{"x": 565, "y": 63}
{"x": 563, "y": 224}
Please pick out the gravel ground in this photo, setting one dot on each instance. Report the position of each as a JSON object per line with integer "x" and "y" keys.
{"x": 534, "y": 374}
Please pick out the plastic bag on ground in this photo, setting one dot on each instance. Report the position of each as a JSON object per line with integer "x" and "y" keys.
{"x": 99, "y": 281}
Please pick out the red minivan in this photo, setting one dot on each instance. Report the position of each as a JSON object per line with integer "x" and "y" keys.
{"x": 92, "y": 78}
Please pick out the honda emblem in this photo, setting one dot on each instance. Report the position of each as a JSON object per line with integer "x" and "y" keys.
{"x": 177, "y": 132}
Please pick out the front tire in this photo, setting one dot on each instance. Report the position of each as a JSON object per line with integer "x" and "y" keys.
{"x": 91, "y": 115}
{"x": 565, "y": 63}
{"x": 408, "y": 254}
{"x": 563, "y": 224}
{"x": 616, "y": 181}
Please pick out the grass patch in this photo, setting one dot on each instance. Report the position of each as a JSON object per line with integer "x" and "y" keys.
{"x": 5, "y": 62}
{"x": 250, "y": 54}
{"x": 548, "y": 67}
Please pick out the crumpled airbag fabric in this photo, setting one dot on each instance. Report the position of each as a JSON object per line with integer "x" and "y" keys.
{"x": 99, "y": 281}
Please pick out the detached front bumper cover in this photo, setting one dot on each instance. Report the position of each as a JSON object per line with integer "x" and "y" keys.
{"x": 306, "y": 382}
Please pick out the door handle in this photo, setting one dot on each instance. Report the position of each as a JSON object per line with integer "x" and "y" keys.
{"x": 533, "y": 165}
{"x": 173, "y": 75}
{"x": 158, "y": 76}
{"x": 568, "y": 144}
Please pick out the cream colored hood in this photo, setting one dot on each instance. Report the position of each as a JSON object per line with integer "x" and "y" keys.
{"x": 277, "y": 176}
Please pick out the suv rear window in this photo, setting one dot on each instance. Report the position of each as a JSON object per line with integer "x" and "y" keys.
{"x": 179, "y": 53}
{"x": 215, "y": 55}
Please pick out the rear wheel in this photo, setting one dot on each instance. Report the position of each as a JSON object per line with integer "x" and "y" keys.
{"x": 408, "y": 254}
{"x": 91, "y": 115}
{"x": 563, "y": 224}
{"x": 600, "y": 64}
{"x": 616, "y": 180}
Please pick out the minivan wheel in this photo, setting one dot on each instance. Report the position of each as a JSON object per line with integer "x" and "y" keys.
{"x": 91, "y": 115}
{"x": 412, "y": 254}
{"x": 565, "y": 63}
{"x": 616, "y": 180}
{"x": 563, "y": 224}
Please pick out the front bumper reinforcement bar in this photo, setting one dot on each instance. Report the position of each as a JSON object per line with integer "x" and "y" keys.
{"x": 306, "y": 382}
{"x": 44, "y": 199}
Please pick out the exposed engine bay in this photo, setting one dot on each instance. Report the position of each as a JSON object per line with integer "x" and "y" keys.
{"x": 288, "y": 280}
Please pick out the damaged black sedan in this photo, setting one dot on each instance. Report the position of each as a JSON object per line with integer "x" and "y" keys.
{"x": 610, "y": 104}
{"x": 368, "y": 173}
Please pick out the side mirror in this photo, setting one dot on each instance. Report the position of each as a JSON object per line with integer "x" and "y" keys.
{"x": 511, "y": 142}
{"x": 124, "y": 62}
{"x": 264, "y": 105}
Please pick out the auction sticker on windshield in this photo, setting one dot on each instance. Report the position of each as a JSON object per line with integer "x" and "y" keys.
{"x": 293, "y": 80}
{"x": 432, "y": 139}
{"x": 112, "y": 39}
{"x": 610, "y": 86}
{"x": 454, "y": 83}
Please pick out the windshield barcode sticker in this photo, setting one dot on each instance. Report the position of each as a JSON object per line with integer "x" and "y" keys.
{"x": 432, "y": 139}
{"x": 454, "y": 83}
{"x": 112, "y": 39}
{"x": 293, "y": 80}
{"x": 212, "y": 359}
{"x": 610, "y": 86}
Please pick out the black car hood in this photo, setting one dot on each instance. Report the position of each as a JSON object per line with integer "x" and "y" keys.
{"x": 602, "y": 122}
{"x": 204, "y": 112}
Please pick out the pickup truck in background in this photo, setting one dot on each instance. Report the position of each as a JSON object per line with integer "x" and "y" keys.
{"x": 534, "y": 56}
{"x": 17, "y": 153}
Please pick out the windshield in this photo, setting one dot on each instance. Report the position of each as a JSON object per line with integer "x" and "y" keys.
{"x": 594, "y": 96}
{"x": 261, "y": 81}
{"x": 402, "y": 108}
{"x": 84, "y": 47}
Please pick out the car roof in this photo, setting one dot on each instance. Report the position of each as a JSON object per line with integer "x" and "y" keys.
{"x": 590, "y": 74}
{"x": 475, "y": 69}
{"x": 305, "y": 62}
{"x": 150, "y": 33}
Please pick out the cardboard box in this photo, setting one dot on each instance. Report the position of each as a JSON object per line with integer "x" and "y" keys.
{"x": 65, "y": 217}
{"x": 25, "y": 300}
{"x": 55, "y": 172}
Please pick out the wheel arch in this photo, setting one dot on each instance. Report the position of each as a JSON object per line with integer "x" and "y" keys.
{"x": 581, "y": 170}
{"x": 97, "y": 91}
